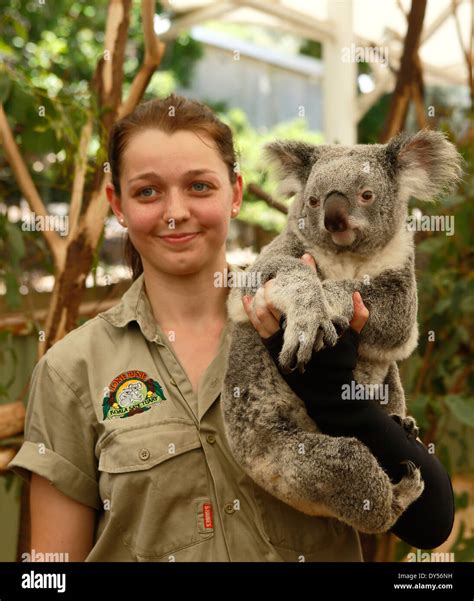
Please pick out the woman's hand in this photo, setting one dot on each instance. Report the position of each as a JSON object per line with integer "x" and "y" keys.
{"x": 265, "y": 318}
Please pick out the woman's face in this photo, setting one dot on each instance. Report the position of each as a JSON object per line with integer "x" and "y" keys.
{"x": 173, "y": 184}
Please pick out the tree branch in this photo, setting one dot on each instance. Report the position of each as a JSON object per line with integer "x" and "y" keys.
{"x": 27, "y": 186}
{"x": 154, "y": 50}
{"x": 79, "y": 176}
{"x": 12, "y": 418}
{"x": 407, "y": 72}
{"x": 468, "y": 54}
{"x": 262, "y": 195}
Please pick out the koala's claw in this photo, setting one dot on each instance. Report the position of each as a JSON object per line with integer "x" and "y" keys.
{"x": 408, "y": 423}
{"x": 411, "y": 467}
{"x": 341, "y": 324}
{"x": 408, "y": 489}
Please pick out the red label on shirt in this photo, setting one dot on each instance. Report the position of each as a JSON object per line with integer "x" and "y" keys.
{"x": 207, "y": 510}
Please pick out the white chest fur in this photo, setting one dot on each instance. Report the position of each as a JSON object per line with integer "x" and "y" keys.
{"x": 354, "y": 267}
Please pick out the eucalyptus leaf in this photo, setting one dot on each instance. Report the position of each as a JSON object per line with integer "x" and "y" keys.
{"x": 462, "y": 409}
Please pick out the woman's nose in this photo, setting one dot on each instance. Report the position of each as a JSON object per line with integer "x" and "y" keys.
{"x": 176, "y": 207}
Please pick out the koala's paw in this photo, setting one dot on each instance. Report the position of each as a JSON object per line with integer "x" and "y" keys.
{"x": 408, "y": 423}
{"x": 305, "y": 333}
{"x": 328, "y": 336}
{"x": 407, "y": 490}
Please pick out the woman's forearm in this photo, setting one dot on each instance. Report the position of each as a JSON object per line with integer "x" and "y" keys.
{"x": 428, "y": 521}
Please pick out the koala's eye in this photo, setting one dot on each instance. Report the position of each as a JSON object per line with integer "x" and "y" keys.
{"x": 367, "y": 196}
{"x": 313, "y": 201}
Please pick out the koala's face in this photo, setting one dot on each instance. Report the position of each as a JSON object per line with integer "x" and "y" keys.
{"x": 349, "y": 201}
{"x": 354, "y": 199}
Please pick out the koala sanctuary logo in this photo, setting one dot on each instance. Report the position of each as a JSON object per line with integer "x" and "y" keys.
{"x": 129, "y": 393}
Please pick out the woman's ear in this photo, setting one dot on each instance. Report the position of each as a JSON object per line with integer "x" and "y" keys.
{"x": 115, "y": 203}
{"x": 237, "y": 195}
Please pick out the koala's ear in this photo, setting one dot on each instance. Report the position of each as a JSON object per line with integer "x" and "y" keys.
{"x": 293, "y": 161}
{"x": 425, "y": 163}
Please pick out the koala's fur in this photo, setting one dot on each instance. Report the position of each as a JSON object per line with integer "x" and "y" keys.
{"x": 266, "y": 423}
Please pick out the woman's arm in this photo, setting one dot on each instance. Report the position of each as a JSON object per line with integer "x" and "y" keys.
{"x": 59, "y": 524}
{"x": 428, "y": 521}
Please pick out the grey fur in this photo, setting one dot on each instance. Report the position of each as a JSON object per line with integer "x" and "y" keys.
{"x": 267, "y": 426}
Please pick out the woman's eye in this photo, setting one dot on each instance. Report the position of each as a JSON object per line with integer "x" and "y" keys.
{"x": 200, "y": 188}
{"x": 147, "y": 192}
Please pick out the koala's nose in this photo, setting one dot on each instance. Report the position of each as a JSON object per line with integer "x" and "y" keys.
{"x": 336, "y": 211}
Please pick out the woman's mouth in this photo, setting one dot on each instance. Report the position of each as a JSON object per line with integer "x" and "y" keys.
{"x": 179, "y": 238}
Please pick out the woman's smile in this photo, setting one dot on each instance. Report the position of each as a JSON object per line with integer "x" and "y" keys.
{"x": 179, "y": 239}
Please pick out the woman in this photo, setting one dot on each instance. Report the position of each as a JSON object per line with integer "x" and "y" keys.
{"x": 124, "y": 434}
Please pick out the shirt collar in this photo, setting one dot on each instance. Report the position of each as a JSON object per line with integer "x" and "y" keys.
{"x": 135, "y": 306}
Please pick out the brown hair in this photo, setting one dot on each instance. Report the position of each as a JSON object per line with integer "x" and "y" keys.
{"x": 169, "y": 115}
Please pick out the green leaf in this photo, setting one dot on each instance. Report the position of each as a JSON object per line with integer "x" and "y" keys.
{"x": 461, "y": 500}
{"x": 462, "y": 409}
{"x": 16, "y": 243}
{"x": 5, "y": 87}
{"x": 5, "y": 49}
{"x": 13, "y": 298}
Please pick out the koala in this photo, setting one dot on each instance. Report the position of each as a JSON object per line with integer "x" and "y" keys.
{"x": 349, "y": 213}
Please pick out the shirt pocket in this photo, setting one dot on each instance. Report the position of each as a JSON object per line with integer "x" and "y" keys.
{"x": 296, "y": 534}
{"x": 156, "y": 481}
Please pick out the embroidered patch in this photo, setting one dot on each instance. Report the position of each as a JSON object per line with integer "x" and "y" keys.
{"x": 129, "y": 393}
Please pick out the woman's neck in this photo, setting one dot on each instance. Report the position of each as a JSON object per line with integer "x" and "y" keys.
{"x": 187, "y": 300}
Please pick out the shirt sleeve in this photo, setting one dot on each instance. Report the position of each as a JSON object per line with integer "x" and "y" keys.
{"x": 60, "y": 438}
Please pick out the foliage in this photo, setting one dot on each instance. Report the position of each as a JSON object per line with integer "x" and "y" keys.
{"x": 439, "y": 377}
{"x": 249, "y": 142}
{"x": 48, "y": 54}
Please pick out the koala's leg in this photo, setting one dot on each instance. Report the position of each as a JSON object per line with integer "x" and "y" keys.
{"x": 279, "y": 446}
{"x": 373, "y": 376}
{"x": 389, "y": 393}
{"x": 396, "y": 394}
{"x": 397, "y": 404}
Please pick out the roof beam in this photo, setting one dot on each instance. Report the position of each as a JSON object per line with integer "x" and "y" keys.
{"x": 193, "y": 17}
{"x": 323, "y": 30}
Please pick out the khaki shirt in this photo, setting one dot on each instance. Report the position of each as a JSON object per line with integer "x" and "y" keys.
{"x": 113, "y": 423}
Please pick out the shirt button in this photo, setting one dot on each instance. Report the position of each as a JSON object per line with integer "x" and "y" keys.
{"x": 172, "y": 381}
{"x": 144, "y": 454}
{"x": 211, "y": 439}
{"x": 229, "y": 508}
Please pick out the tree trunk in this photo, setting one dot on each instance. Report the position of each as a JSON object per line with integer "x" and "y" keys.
{"x": 409, "y": 73}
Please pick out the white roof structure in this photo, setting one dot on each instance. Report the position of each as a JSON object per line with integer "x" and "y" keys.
{"x": 346, "y": 29}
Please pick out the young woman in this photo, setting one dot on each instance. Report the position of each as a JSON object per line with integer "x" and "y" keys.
{"x": 124, "y": 440}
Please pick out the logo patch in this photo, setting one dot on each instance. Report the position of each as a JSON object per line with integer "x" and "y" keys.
{"x": 207, "y": 511}
{"x": 130, "y": 393}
